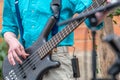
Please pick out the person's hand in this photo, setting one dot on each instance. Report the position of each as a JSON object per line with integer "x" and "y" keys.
{"x": 15, "y": 48}
{"x": 108, "y": 1}
{"x": 101, "y": 15}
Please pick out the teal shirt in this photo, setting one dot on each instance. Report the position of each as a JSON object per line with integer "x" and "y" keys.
{"x": 35, "y": 14}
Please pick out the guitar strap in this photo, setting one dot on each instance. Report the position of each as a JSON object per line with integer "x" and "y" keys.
{"x": 55, "y": 6}
{"x": 19, "y": 22}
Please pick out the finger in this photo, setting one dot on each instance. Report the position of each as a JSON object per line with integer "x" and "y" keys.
{"x": 107, "y": 1}
{"x": 16, "y": 57}
{"x": 11, "y": 59}
{"x": 24, "y": 54}
{"x": 18, "y": 51}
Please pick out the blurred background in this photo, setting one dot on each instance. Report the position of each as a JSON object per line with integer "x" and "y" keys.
{"x": 3, "y": 46}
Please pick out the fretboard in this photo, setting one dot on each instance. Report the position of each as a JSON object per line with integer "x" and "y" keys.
{"x": 56, "y": 39}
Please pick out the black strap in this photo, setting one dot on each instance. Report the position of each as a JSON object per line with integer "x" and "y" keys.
{"x": 55, "y": 6}
{"x": 19, "y": 21}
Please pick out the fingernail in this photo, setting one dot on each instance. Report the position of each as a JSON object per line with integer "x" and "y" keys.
{"x": 13, "y": 64}
{"x": 20, "y": 62}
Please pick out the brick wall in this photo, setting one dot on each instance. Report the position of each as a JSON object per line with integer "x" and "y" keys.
{"x": 80, "y": 35}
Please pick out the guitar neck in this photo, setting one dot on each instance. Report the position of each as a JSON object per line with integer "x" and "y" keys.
{"x": 56, "y": 39}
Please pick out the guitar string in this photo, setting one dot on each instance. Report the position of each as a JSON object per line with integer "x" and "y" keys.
{"x": 72, "y": 24}
{"x": 37, "y": 58}
{"x": 45, "y": 53}
{"x": 26, "y": 62}
{"x": 27, "y": 67}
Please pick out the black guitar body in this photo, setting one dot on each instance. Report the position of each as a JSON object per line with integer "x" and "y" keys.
{"x": 31, "y": 68}
{"x": 35, "y": 72}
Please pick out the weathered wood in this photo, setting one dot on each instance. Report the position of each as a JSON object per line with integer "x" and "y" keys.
{"x": 105, "y": 54}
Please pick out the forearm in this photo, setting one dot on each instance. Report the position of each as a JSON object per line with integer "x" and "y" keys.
{"x": 15, "y": 48}
{"x": 8, "y": 36}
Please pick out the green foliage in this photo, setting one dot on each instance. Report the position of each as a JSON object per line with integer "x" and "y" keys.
{"x": 115, "y": 13}
{"x": 3, "y": 51}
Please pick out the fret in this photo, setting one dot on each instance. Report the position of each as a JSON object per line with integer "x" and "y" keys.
{"x": 54, "y": 41}
{"x": 75, "y": 23}
{"x": 39, "y": 52}
{"x": 72, "y": 27}
{"x": 57, "y": 38}
{"x": 63, "y": 35}
{"x": 67, "y": 30}
{"x": 92, "y": 7}
{"x": 48, "y": 46}
{"x": 42, "y": 52}
{"x": 97, "y": 3}
{"x": 42, "y": 55}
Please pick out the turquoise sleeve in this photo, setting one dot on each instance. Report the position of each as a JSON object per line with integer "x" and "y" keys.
{"x": 9, "y": 21}
{"x": 98, "y": 27}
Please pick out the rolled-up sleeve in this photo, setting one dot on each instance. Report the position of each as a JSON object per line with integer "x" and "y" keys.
{"x": 98, "y": 27}
{"x": 87, "y": 3}
{"x": 9, "y": 21}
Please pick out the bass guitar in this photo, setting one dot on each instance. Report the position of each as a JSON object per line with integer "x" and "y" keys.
{"x": 39, "y": 60}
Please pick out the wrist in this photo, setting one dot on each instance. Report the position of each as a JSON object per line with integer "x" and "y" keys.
{"x": 9, "y": 37}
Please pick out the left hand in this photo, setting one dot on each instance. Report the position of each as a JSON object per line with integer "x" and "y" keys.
{"x": 100, "y": 15}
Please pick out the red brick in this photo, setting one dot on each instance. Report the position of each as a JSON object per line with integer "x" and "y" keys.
{"x": 80, "y": 45}
{"x": 80, "y": 33}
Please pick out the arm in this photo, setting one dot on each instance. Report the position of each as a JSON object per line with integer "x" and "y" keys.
{"x": 15, "y": 48}
{"x": 10, "y": 34}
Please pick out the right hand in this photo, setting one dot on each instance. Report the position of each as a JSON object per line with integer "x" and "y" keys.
{"x": 15, "y": 49}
